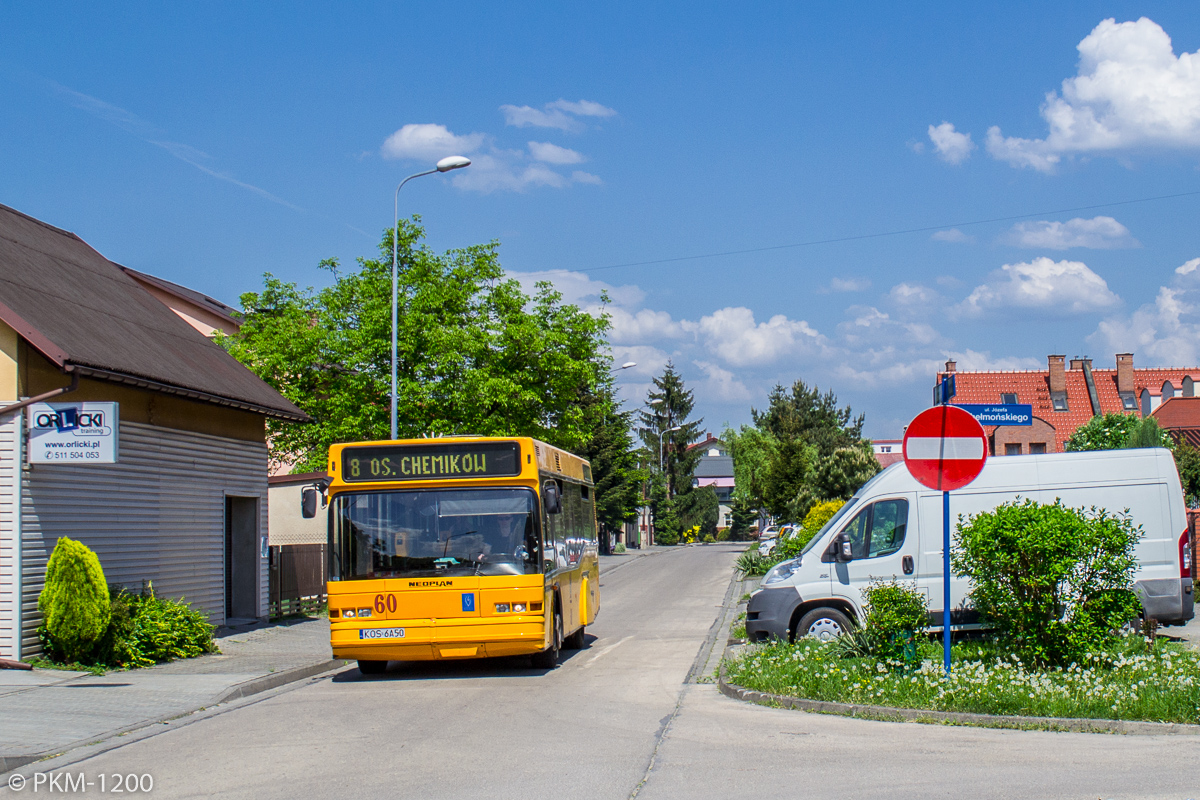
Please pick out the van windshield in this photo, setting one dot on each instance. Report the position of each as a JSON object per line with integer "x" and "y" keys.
{"x": 841, "y": 513}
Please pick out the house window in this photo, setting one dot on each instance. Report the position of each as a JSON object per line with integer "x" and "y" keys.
{"x": 1059, "y": 399}
{"x": 1012, "y": 449}
{"x": 1008, "y": 398}
{"x": 1129, "y": 401}
{"x": 1037, "y": 448}
{"x": 1168, "y": 391}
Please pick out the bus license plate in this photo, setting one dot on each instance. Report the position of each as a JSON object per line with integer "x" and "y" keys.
{"x": 381, "y": 633}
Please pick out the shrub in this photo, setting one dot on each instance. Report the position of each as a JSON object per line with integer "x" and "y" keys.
{"x": 147, "y": 629}
{"x": 751, "y": 563}
{"x": 707, "y": 539}
{"x": 74, "y": 601}
{"x": 1109, "y": 432}
{"x": 896, "y": 613}
{"x": 813, "y": 522}
{"x": 619, "y": 547}
{"x": 1054, "y": 581}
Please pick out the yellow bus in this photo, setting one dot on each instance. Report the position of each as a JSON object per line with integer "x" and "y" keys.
{"x": 459, "y": 547}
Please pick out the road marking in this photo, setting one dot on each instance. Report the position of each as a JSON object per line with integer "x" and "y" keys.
{"x": 605, "y": 650}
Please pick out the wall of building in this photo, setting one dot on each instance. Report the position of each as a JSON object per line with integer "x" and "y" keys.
{"x": 37, "y": 375}
{"x": 9, "y": 347}
{"x": 287, "y": 524}
{"x": 1022, "y": 436}
{"x": 10, "y": 470}
{"x": 158, "y": 515}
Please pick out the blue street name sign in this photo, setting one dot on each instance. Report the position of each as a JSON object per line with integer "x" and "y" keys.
{"x": 999, "y": 413}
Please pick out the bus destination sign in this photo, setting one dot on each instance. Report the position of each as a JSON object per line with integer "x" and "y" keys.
{"x": 423, "y": 462}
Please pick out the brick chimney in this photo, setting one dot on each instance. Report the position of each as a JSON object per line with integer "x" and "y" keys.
{"x": 1058, "y": 376}
{"x": 1078, "y": 362}
{"x": 951, "y": 366}
{"x": 1125, "y": 372}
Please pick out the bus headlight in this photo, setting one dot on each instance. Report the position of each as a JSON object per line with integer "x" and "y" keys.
{"x": 348, "y": 613}
{"x": 364, "y": 612}
{"x": 518, "y": 607}
{"x": 501, "y": 608}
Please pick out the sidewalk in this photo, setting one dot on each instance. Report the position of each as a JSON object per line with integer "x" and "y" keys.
{"x": 43, "y": 712}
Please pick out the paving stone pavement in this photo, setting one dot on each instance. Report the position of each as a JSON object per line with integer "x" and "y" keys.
{"x": 50, "y": 711}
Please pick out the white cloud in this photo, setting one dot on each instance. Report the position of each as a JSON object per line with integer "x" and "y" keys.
{"x": 721, "y": 384}
{"x": 1060, "y": 286}
{"x": 561, "y": 114}
{"x": 504, "y": 170}
{"x": 650, "y": 361}
{"x": 553, "y": 154}
{"x": 952, "y": 235}
{"x": 886, "y": 368}
{"x": 952, "y": 147}
{"x": 849, "y": 285}
{"x": 629, "y": 327}
{"x": 579, "y": 289}
{"x": 733, "y": 335}
{"x": 428, "y": 142}
{"x": 1165, "y": 332}
{"x": 579, "y": 176}
{"x": 868, "y": 326}
{"x": 912, "y": 294}
{"x": 583, "y": 108}
{"x": 1130, "y": 91}
{"x": 1099, "y": 233}
{"x": 973, "y": 360}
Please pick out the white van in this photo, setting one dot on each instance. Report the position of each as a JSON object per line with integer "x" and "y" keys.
{"x": 894, "y": 525}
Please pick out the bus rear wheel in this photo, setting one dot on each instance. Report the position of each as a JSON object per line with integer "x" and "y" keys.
{"x": 372, "y": 667}
{"x": 548, "y": 658}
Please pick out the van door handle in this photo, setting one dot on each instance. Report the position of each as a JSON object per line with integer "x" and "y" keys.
{"x": 906, "y": 564}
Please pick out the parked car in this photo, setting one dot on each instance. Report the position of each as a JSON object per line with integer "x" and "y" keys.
{"x": 894, "y": 527}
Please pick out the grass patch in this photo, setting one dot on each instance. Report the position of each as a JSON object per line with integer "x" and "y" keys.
{"x": 39, "y": 662}
{"x": 1134, "y": 680}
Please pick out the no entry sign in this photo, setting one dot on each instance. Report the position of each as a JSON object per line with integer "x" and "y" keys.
{"x": 945, "y": 448}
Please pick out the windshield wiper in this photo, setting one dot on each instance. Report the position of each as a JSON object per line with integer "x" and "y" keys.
{"x": 446, "y": 549}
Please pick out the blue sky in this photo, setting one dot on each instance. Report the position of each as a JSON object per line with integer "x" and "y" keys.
{"x": 210, "y": 145}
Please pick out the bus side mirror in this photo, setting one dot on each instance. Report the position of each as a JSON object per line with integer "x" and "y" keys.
{"x": 308, "y": 502}
{"x": 551, "y": 499}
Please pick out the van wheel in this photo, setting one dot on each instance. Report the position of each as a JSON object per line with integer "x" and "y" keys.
{"x": 548, "y": 658}
{"x": 576, "y": 641}
{"x": 824, "y": 624}
{"x": 372, "y": 667}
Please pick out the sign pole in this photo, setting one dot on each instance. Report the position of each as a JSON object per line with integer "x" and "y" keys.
{"x": 946, "y": 581}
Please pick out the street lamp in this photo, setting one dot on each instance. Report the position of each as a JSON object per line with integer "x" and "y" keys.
{"x": 660, "y": 444}
{"x": 445, "y": 165}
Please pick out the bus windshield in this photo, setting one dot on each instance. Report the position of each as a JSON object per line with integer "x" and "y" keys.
{"x": 456, "y": 532}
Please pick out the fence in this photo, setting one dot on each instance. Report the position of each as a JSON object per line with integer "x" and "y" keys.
{"x": 297, "y": 579}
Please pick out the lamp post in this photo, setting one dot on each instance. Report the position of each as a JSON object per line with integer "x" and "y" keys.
{"x": 626, "y": 365}
{"x": 445, "y": 165}
{"x": 660, "y": 444}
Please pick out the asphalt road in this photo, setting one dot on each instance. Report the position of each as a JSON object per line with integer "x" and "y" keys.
{"x": 617, "y": 718}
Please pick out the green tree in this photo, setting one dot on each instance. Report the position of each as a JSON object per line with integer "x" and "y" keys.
{"x": 741, "y": 517}
{"x": 787, "y": 478}
{"x": 668, "y": 405}
{"x": 699, "y": 507}
{"x": 1147, "y": 434}
{"x": 74, "y": 601}
{"x": 844, "y": 471}
{"x": 615, "y": 471}
{"x": 1107, "y": 432}
{"x": 1187, "y": 461}
{"x": 475, "y": 353}
{"x": 1055, "y": 581}
{"x": 804, "y": 413}
{"x": 752, "y": 451}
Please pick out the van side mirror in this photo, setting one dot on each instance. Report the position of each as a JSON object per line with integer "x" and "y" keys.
{"x": 551, "y": 499}
{"x": 308, "y": 502}
{"x": 840, "y": 549}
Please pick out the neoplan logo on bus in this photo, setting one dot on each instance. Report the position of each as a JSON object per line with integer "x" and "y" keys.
{"x": 430, "y": 462}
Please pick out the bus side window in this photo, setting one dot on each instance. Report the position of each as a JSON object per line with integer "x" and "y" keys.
{"x": 552, "y": 525}
{"x": 589, "y": 517}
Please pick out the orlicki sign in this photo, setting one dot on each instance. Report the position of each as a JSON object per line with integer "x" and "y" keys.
{"x": 73, "y": 433}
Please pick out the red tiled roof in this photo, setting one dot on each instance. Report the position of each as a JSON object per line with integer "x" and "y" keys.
{"x": 1179, "y": 412}
{"x": 1033, "y": 387}
{"x": 887, "y": 459}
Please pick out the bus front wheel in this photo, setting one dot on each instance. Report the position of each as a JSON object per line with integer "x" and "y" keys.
{"x": 372, "y": 667}
{"x": 548, "y": 658}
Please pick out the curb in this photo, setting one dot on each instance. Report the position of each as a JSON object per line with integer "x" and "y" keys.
{"x": 236, "y": 692}
{"x": 891, "y": 714}
{"x": 277, "y": 679}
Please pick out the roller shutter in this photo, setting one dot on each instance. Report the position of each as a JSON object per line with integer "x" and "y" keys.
{"x": 9, "y": 523}
{"x": 158, "y": 515}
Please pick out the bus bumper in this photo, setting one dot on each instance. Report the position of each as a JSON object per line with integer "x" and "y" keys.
{"x": 423, "y": 640}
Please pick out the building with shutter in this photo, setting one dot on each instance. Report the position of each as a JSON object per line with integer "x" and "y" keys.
{"x": 184, "y": 505}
